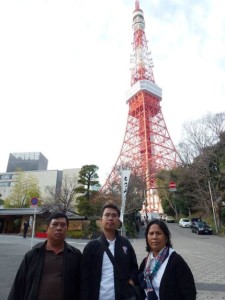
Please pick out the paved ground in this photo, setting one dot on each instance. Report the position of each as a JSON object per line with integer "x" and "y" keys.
{"x": 205, "y": 256}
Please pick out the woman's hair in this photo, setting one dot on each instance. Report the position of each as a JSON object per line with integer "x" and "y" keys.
{"x": 163, "y": 227}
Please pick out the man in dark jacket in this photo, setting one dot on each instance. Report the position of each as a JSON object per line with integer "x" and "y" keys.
{"x": 101, "y": 279}
{"x": 25, "y": 228}
{"x": 51, "y": 270}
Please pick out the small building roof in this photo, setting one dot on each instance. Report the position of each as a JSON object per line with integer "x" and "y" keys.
{"x": 31, "y": 211}
{"x": 19, "y": 211}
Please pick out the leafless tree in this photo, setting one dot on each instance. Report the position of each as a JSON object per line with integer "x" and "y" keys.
{"x": 203, "y": 153}
{"x": 64, "y": 198}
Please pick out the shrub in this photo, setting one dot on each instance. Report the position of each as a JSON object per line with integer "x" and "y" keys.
{"x": 75, "y": 234}
{"x": 41, "y": 229}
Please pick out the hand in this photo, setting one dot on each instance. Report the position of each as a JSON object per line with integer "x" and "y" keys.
{"x": 131, "y": 281}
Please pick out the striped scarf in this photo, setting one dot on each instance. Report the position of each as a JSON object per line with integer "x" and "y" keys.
{"x": 148, "y": 274}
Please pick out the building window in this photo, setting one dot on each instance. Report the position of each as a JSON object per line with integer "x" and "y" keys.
{"x": 4, "y": 183}
{"x": 5, "y": 176}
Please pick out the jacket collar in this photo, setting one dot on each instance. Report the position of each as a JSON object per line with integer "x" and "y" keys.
{"x": 42, "y": 245}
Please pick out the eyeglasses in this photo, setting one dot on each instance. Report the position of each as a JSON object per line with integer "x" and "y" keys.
{"x": 107, "y": 216}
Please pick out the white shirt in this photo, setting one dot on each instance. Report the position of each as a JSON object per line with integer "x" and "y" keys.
{"x": 107, "y": 289}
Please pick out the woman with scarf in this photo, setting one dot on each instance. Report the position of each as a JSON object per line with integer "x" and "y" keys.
{"x": 164, "y": 274}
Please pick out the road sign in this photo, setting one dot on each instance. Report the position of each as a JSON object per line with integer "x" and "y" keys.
{"x": 172, "y": 186}
{"x": 34, "y": 201}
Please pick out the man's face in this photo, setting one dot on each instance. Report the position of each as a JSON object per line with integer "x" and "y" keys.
{"x": 110, "y": 219}
{"x": 57, "y": 229}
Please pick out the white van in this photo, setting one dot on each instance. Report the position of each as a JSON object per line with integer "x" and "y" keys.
{"x": 150, "y": 216}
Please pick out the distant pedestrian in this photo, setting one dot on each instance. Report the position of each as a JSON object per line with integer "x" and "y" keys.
{"x": 145, "y": 222}
{"x": 25, "y": 228}
{"x": 137, "y": 226}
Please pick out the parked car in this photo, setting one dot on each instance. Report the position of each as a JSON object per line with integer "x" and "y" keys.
{"x": 196, "y": 219}
{"x": 170, "y": 219}
{"x": 163, "y": 217}
{"x": 185, "y": 223}
{"x": 200, "y": 227}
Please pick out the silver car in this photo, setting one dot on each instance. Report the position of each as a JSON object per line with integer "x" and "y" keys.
{"x": 184, "y": 223}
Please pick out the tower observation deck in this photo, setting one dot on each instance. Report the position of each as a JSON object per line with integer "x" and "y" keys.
{"x": 147, "y": 147}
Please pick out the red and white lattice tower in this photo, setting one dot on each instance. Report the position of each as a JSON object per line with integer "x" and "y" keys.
{"x": 147, "y": 146}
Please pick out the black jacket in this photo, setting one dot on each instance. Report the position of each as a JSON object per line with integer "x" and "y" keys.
{"x": 26, "y": 283}
{"x": 92, "y": 267}
{"x": 177, "y": 282}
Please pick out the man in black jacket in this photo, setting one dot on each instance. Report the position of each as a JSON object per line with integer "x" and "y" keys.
{"x": 101, "y": 279}
{"x": 51, "y": 270}
{"x": 25, "y": 228}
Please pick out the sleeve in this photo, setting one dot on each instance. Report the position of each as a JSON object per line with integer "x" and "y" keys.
{"x": 141, "y": 280}
{"x": 185, "y": 279}
{"x": 86, "y": 273}
{"x": 133, "y": 274}
{"x": 18, "y": 287}
{"x": 72, "y": 274}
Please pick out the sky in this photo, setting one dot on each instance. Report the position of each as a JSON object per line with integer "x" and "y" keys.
{"x": 65, "y": 71}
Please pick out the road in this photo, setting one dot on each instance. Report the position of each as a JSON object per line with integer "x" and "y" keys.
{"x": 206, "y": 258}
{"x": 204, "y": 254}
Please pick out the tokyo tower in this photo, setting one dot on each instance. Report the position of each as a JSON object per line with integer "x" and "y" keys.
{"x": 147, "y": 146}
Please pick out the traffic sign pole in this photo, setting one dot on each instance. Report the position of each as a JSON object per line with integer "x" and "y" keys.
{"x": 33, "y": 227}
{"x": 34, "y": 202}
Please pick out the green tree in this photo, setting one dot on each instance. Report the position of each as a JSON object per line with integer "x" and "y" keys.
{"x": 168, "y": 199}
{"x": 89, "y": 185}
{"x": 1, "y": 200}
{"x": 26, "y": 187}
{"x": 134, "y": 198}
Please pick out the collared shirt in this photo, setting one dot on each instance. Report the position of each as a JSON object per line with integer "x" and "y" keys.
{"x": 51, "y": 285}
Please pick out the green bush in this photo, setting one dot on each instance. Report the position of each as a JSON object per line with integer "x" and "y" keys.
{"x": 75, "y": 234}
{"x": 41, "y": 229}
{"x": 93, "y": 230}
{"x": 130, "y": 229}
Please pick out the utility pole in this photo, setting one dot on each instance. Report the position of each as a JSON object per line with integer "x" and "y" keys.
{"x": 214, "y": 215}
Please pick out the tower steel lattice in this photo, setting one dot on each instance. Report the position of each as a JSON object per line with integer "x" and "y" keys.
{"x": 147, "y": 146}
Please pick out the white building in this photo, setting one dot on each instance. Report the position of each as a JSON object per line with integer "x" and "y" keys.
{"x": 45, "y": 178}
